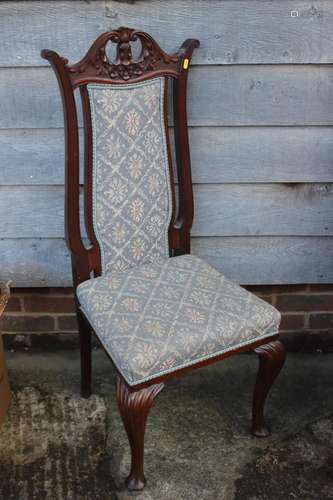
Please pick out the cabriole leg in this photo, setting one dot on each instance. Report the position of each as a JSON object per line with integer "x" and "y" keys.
{"x": 271, "y": 359}
{"x": 85, "y": 351}
{"x": 134, "y": 408}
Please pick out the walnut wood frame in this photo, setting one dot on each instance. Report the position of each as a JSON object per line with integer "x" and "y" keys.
{"x": 135, "y": 401}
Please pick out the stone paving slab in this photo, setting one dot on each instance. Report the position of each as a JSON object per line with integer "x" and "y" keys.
{"x": 52, "y": 447}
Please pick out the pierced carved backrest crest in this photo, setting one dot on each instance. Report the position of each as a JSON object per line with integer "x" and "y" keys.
{"x": 129, "y": 191}
{"x": 125, "y": 66}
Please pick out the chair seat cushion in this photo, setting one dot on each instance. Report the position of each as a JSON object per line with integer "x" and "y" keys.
{"x": 160, "y": 317}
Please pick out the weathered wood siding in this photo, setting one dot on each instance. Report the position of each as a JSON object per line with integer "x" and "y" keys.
{"x": 261, "y": 117}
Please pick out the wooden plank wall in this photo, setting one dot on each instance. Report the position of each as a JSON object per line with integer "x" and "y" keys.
{"x": 261, "y": 117}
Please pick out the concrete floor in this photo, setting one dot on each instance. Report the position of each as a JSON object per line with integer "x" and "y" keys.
{"x": 198, "y": 444}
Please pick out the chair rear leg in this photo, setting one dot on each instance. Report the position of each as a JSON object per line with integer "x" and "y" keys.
{"x": 134, "y": 408}
{"x": 85, "y": 351}
{"x": 271, "y": 360}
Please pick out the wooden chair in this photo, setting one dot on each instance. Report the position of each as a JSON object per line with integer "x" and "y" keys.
{"x": 158, "y": 311}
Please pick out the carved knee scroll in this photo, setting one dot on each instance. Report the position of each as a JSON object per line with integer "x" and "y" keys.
{"x": 134, "y": 408}
{"x": 271, "y": 360}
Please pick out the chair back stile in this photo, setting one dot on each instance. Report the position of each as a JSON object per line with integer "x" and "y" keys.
{"x": 181, "y": 243}
{"x": 138, "y": 82}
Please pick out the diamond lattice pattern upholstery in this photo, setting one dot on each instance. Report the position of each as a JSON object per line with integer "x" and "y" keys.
{"x": 132, "y": 203}
{"x": 158, "y": 317}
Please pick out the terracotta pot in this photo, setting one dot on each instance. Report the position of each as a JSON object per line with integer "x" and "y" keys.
{"x": 5, "y": 395}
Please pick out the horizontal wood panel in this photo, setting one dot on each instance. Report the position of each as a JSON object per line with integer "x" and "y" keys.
{"x": 220, "y": 210}
{"x": 218, "y": 95}
{"x": 247, "y": 260}
{"x": 32, "y": 212}
{"x": 219, "y": 155}
{"x": 263, "y": 209}
{"x": 260, "y": 154}
{"x": 269, "y": 260}
{"x": 65, "y": 26}
{"x": 231, "y": 32}
{"x": 30, "y": 262}
{"x": 32, "y": 156}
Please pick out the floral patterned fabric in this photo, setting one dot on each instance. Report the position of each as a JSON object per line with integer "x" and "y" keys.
{"x": 156, "y": 318}
{"x": 131, "y": 188}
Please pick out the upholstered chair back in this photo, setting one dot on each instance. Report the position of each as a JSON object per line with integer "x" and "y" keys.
{"x": 131, "y": 191}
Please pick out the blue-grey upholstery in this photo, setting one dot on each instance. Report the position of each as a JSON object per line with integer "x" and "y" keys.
{"x": 158, "y": 317}
{"x": 153, "y": 314}
{"x": 131, "y": 187}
